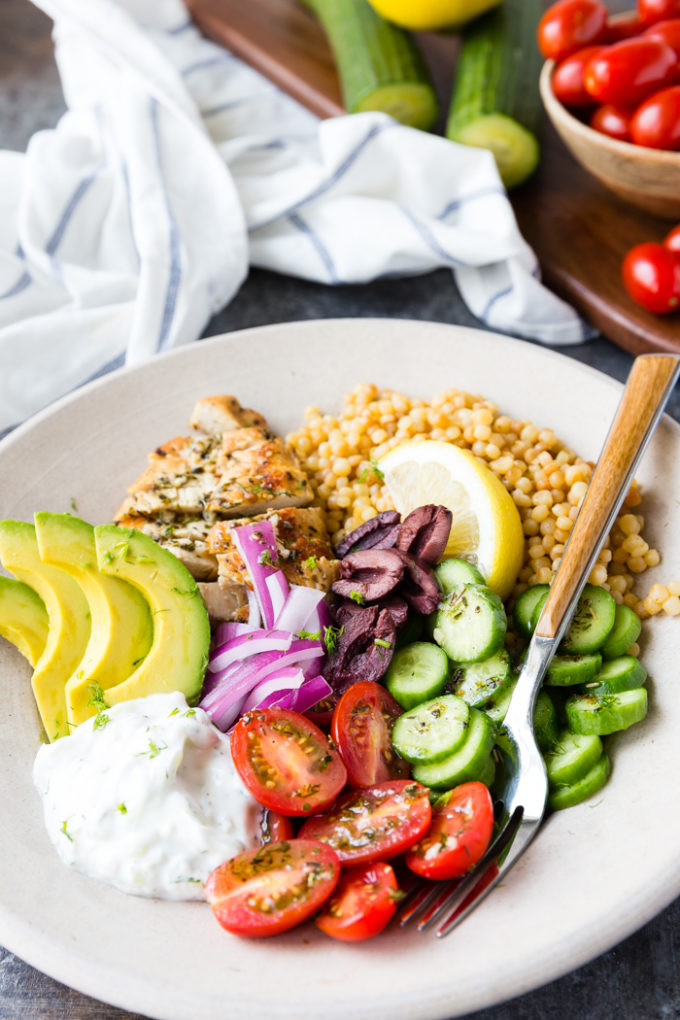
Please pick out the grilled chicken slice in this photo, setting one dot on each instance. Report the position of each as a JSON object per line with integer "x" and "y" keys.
{"x": 257, "y": 472}
{"x": 305, "y": 551}
{"x": 180, "y": 478}
{"x": 185, "y": 536}
{"x": 216, "y": 415}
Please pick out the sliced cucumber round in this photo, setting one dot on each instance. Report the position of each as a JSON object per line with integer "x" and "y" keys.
{"x": 467, "y": 763}
{"x": 451, "y": 572}
{"x": 546, "y": 722}
{"x": 592, "y": 623}
{"x": 609, "y": 713}
{"x": 571, "y": 758}
{"x": 411, "y": 631}
{"x": 515, "y": 149}
{"x": 470, "y": 624}
{"x": 432, "y": 730}
{"x": 594, "y": 780}
{"x": 525, "y": 607}
{"x": 565, "y": 670}
{"x": 622, "y": 674}
{"x": 624, "y": 633}
{"x": 417, "y": 672}
{"x": 478, "y": 682}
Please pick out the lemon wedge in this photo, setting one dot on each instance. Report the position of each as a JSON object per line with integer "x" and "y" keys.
{"x": 486, "y": 527}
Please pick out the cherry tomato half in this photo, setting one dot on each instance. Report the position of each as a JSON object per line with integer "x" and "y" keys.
{"x": 569, "y": 25}
{"x": 273, "y": 828}
{"x": 362, "y": 904}
{"x": 286, "y": 762}
{"x": 656, "y": 122}
{"x": 651, "y": 275}
{"x": 613, "y": 121}
{"x": 361, "y": 727}
{"x": 458, "y": 836}
{"x": 672, "y": 240}
{"x": 629, "y": 71}
{"x": 669, "y": 31}
{"x": 375, "y": 823}
{"x": 657, "y": 10}
{"x": 567, "y": 79}
{"x": 273, "y": 888}
{"x": 623, "y": 28}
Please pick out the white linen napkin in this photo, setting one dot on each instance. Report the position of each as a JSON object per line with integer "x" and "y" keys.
{"x": 176, "y": 167}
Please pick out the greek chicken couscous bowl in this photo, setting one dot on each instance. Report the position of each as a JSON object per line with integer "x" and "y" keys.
{"x": 537, "y": 420}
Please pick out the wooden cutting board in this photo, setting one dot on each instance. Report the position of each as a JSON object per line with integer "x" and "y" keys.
{"x": 579, "y": 231}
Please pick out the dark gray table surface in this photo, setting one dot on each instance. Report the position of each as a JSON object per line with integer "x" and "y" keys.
{"x": 637, "y": 980}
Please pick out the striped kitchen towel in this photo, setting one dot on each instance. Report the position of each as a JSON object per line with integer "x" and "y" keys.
{"x": 176, "y": 167}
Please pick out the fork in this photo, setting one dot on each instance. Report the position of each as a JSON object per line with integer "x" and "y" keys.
{"x": 521, "y": 802}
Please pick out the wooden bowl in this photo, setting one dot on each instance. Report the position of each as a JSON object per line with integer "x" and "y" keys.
{"x": 647, "y": 178}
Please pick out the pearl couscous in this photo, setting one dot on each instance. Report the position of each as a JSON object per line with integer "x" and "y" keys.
{"x": 546, "y": 480}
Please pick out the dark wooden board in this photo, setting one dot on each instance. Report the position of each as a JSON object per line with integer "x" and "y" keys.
{"x": 579, "y": 231}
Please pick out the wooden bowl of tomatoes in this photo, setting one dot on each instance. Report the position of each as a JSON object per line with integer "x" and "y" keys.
{"x": 611, "y": 88}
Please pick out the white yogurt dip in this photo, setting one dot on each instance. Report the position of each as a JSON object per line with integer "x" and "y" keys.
{"x": 146, "y": 798}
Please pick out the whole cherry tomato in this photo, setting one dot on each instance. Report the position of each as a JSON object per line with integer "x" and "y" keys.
{"x": 627, "y": 72}
{"x": 669, "y": 31}
{"x": 656, "y": 122}
{"x": 651, "y": 275}
{"x": 613, "y": 121}
{"x": 657, "y": 10}
{"x": 623, "y": 28}
{"x": 567, "y": 80}
{"x": 672, "y": 240}
{"x": 569, "y": 25}
{"x": 362, "y": 903}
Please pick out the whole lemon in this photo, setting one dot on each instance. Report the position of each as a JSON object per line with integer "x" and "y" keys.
{"x": 430, "y": 15}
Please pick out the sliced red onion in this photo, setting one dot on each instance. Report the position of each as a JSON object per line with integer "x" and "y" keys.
{"x": 319, "y": 619}
{"x": 226, "y": 631}
{"x": 269, "y": 691}
{"x": 298, "y": 609}
{"x": 257, "y": 546}
{"x": 246, "y": 645}
{"x": 278, "y": 590}
{"x": 254, "y": 615}
{"x": 312, "y": 690}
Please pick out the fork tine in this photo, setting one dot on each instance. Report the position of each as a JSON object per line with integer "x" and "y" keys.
{"x": 427, "y": 900}
{"x": 463, "y": 906}
{"x": 456, "y": 896}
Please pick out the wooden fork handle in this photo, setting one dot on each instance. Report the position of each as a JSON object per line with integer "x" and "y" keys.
{"x": 649, "y": 385}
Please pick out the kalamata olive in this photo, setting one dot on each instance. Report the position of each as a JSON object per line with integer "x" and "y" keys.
{"x": 378, "y": 533}
{"x": 419, "y": 586}
{"x": 369, "y": 575}
{"x": 425, "y": 532}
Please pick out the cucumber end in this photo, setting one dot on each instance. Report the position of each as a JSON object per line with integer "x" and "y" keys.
{"x": 411, "y": 103}
{"x": 515, "y": 149}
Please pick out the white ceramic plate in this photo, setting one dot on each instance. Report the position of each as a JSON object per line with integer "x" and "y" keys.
{"x": 596, "y": 873}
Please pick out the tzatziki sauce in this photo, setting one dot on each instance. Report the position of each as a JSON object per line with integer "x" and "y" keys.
{"x": 145, "y": 797}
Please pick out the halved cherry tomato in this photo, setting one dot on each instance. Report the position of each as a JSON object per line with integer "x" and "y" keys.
{"x": 361, "y": 727}
{"x": 651, "y": 274}
{"x": 672, "y": 240}
{"x": 656, "y": 122}
{"x": 362, "y": 904}
{"x": 322, "y": 713}
{"x": 273, "y": 888}
{"x": 623, "y": 28}
{"x": 273, "y": 828}
{"x": 629, "y": 71}
{"x": 569, "y": 25}
{"x": 459, "y": 834}
{"x": 567, "y": 79}
{"x": 669, "y": 31}
{"x": 375, "y": 823}
{"x": 657, "y": 10}
{"x": 286, "y": 762}
{"x": 613, "y": 121}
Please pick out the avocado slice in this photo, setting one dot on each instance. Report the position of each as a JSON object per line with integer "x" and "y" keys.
{"x": 69, "y": 621}
{"x": 178, "y": 656}
{"x": 23, "y": 618}
{"x": 121, "y": 625}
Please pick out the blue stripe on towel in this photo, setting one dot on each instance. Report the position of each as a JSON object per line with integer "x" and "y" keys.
{"x": 318, "y": 244}
{"x": 175, "y": 274}
{"x": 22, "y": 283}
{"x": 76, "y": 198}
{"x": 458, "y": 203}
{"x": 204, "y": 65}
{"x": 326, "y": 185}
{"x": 484, "y": 316}
{"x": 233, "y": 104}
{"x": 179, "y": 29}
{"x": 430, "y": 240}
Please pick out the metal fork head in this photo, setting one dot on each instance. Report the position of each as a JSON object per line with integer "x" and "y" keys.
{"x": 522, "y": 790}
